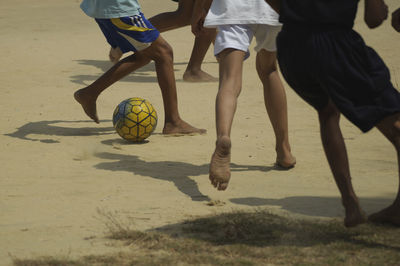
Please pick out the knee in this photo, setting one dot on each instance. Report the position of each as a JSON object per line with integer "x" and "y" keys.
{"x": 329, "y": 113}
{"x": 163, "y": 51}
{"x": 183, "y": 15}
{"x": 266, "y": 65}
{"x": 396, "y": 133}
{"x": 270, "y": 70}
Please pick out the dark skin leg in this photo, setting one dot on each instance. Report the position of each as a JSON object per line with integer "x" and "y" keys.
{"x": 161, "y": 53}
{"x": 390, "y": 128}
{"x": 276, "y": 105}
{"x": 335, "y": 151}
{"x": 87, "y": 97}
{"x": 181, "y": 18}
{"x": 193, "y": 72}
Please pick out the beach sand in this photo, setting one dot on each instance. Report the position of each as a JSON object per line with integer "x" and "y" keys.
{"x": 60, "y": 172}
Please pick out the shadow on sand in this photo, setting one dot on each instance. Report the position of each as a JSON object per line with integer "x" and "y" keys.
{"x": 264, "y": 229}
{"x": 50, "y": 128}
{"x": 313, "y": 206}
{"x": 180, "y": 173}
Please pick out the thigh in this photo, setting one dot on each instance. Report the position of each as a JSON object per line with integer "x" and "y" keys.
{"x": 297, "y": 68}
{"x": 266, "y": 37}
{"x": 230, "y": 69}
{"x": 357, "y": 80}
{"x": 185, "y": 8}
{"x": 133, "y": 33}
{"x": 266, "y": 62}
{"x": 233, "y": 37}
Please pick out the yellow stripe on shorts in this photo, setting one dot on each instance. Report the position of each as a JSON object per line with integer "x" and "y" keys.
{"x": 123, "y": 26}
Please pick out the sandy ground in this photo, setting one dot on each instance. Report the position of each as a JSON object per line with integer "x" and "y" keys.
{"x": 59, "y": 170}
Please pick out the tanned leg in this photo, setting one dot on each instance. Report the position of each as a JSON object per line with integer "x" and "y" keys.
{"x": 181, "y": 17}
{"x": 230, "y": 85}
{"x": 193, "y": 72}
{"x": 87, "y": 96}
{"x": 276, "y": 105}
{"x": 173, "y": 20}
{"x": 335, "y": 150}
{"x": 390, "y": 127}
{"x": 162, "y": 54}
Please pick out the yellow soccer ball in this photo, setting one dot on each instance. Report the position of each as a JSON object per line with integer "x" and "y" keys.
{"x": 135, "y": 119}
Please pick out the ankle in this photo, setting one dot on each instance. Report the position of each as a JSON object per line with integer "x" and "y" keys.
{"x": 350, "y": 202}
{"x": 223, "y": 144}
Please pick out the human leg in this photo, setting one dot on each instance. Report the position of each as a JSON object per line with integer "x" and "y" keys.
{"x": 390, "y": 128}
{"x": 181, "y": 17}
{"x": 335, "y": 151}
{"x": 230, "y": 71}
{"x": 161, "y": 52}
{"x": 173, "y": 20}
{"x": 193, "y": 72}
{"x": 276, "y": 105}
{"x": 87, "y": 96}
{"x": 164, "y": 22}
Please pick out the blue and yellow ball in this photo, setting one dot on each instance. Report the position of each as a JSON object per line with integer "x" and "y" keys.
{"x": 135, "y": 119}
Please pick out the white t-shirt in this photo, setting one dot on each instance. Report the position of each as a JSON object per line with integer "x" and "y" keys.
{"x": 225, "y": 12}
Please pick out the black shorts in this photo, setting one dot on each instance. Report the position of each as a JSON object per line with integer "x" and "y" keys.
{"x": 336, "y": 65}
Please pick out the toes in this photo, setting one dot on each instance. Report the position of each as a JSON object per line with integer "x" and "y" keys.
{"x": 203, "y": 131}
{"x": 222, "y": 186}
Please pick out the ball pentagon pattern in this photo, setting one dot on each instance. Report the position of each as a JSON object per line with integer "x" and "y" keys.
{"x": 135, "y": 119}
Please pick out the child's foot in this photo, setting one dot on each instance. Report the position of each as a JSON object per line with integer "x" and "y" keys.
{"x": 88, "y": 103}
{"x": 354, "y": 214}
{"x": 390, "y": 215}
{"x": 115, "y": 54}
{"x": 285, "y": 159}
{"x": 181, "y": 127}
{"x": 198, "y": 76}
{"x": 355, "y": 219}
{"x": 220, "y": 172}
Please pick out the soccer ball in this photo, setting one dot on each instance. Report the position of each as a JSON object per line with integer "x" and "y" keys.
{"x": 135, "y": 119}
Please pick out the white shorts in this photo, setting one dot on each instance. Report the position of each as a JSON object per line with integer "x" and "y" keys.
{"x": 240, "y": 36}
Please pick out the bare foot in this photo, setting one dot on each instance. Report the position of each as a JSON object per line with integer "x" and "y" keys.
{"x": 198, "y": 76}
{"x": 181, "y": 127}
{"x": 285, "y": 159}
{"x": 355, "y": 218}
{"x": 88, "y": 103}
{"x": 115, "y": 54}
{"x": 354, "y": 214}
{"x": 220, "y": 172}
{"x": 390, "y": 215}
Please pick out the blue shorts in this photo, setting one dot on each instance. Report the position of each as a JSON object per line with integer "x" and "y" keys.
{"x": 133, "y": 33}
{"x": 335, "y": 64}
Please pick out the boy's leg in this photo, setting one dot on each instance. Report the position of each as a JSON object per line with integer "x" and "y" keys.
{"x": 180, "y": 18}
{"x": 390, "y": 127}
{"x": 161, "y": 52}
{"x": 230, "y": 71}
{"x": 164, "y": 22}
{"x": 193, "y": 72}
{"x": 335, "y": 151}
{"x": 87, "y": 96}
{"x": 276, "y": 105}
{"x": 173, "y": 20}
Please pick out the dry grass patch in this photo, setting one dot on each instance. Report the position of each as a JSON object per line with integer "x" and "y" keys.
{"x": 247, "y": 238}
